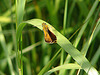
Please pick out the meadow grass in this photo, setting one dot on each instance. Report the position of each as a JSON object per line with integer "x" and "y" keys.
{"x": 24, "y": 51}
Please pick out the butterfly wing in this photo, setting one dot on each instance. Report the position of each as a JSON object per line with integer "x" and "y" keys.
{"x": 47, "y": 37}
{"x": 52, "y": 36}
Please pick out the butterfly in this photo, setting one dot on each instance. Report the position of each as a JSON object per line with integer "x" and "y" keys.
{"x": 48, "y": 35}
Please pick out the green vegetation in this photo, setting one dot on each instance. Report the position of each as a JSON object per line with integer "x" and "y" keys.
{"x": 23, "y": 50}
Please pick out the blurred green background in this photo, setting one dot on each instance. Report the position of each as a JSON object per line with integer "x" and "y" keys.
{"x": 36, "y": 52}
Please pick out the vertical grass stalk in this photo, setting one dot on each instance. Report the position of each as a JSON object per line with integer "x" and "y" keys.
{"x": 64, "y": 27}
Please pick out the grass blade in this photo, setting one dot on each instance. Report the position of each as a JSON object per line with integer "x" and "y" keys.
{"x": 62, "y": 67}
{"x": 64, "y": 43}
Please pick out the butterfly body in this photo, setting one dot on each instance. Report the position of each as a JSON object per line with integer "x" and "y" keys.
{"x": 48, "y": 35}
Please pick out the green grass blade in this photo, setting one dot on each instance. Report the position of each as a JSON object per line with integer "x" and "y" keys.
{"x": 49, "y": 64}
{"x": 3, "y": 44}
{"x": 97, "y": 29}
{"x": 62, "y": 67}
{"x": 96, "y": 56}
{"x": 94, "y": 20}
{"x": 64, "y": 43}
{"x": 20, "y": 11}
{"x": 57, "y": 5}
{"x": 37, "y": 23}
{"x": 70, "y": 12}
{"x": 88, "y": 42}
{"x": 64, "y": 27}
{"x": 65, "y": 16}
{"x": 25, "y": 50}
{"x": 20, "y": 5}
{"x": 86, "y": 23}
{"x": 93, "y": 35}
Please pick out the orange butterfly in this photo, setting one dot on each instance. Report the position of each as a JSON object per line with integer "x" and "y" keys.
{"x": 48, "y": 35}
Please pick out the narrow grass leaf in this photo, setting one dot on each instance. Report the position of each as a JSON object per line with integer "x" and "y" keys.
{"x": 63, "y": 67}
{"x": 88, "y": 42}
{"x": 20, "y": 5}
{"x": 25, "y": 50}
{"x": 49, "y": 63}
{"x": 3, "y": 44}
{"x": 86, "y": 23}
{"x": 93, "y": 35}
{"x": 96, "y": 56}
{"x": 65, "y": 44}
{"x": 64, "y": 27}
